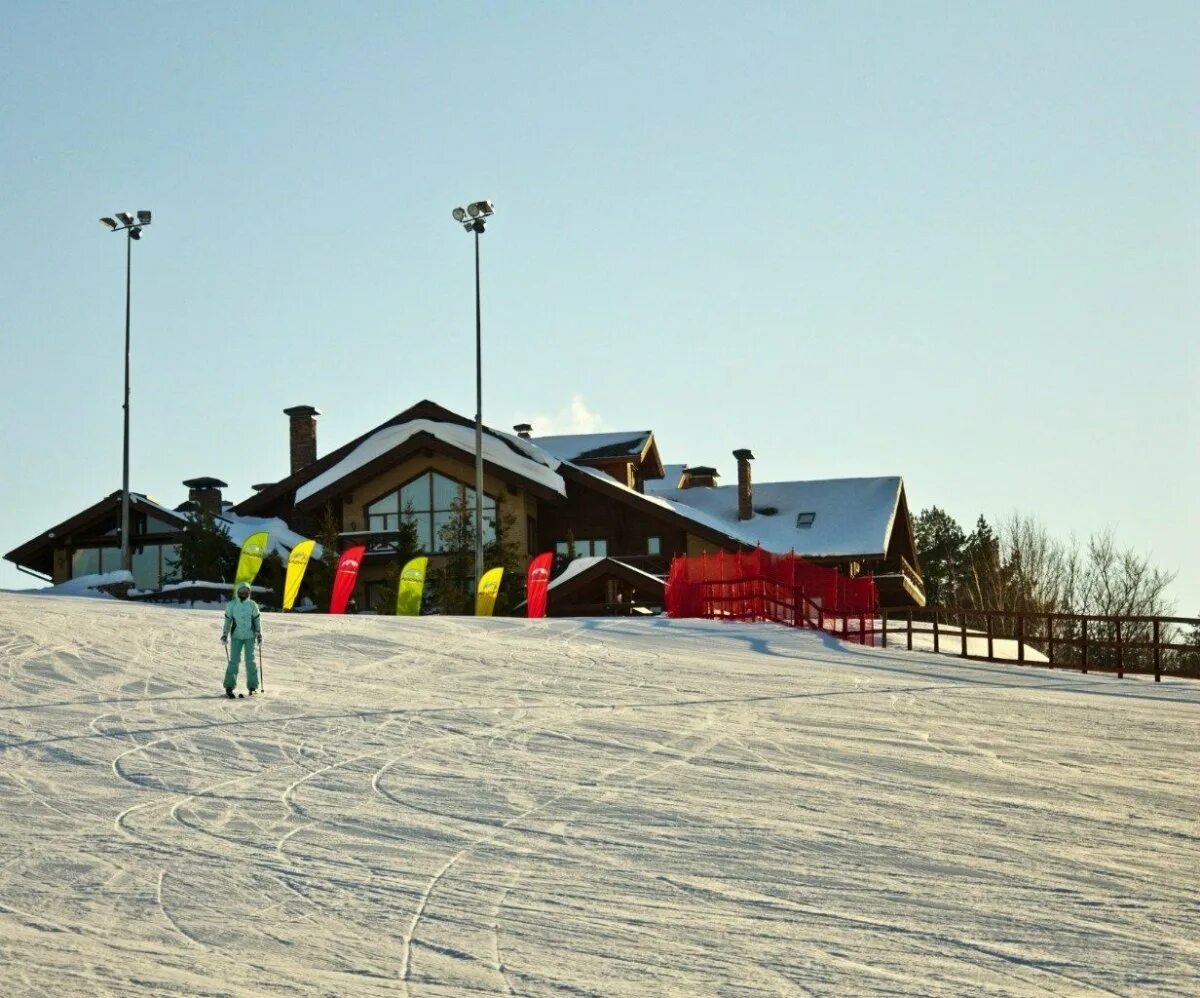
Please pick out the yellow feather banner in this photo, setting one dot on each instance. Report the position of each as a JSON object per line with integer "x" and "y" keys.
{"x": 297, "y": 563}
{"x": 251, "y": 559}
{"x": 411, "y": 588}
{"x": 489, "y": 586}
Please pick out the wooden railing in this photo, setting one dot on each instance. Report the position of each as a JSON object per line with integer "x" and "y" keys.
{"x": 1088, "y": 642}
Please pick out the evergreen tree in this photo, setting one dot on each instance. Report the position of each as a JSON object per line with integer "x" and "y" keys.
{"x": 318, "y": 579}
{"x": 271, "y": 576}
{"x": 450, "y": 584}
{"x": 505, "y": 552}
{"x": 941, "y": 544}
{"x": 406, "y": 549}
{"x": 206, "y": 554}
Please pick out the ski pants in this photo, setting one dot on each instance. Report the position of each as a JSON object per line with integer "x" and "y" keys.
{"x": 236, "y": 648}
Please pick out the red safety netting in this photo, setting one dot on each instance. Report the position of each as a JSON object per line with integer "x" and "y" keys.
{"x": 758, "y": 585}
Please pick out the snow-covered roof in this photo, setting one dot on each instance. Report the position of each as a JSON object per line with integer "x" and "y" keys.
{"x": 672, "y": 473}
{"x": 500, "y": 449}
{"x": 595, "y": 446}
{"x": 280, "y": 537}
{"x": 580, "y": 565}
{"x": 850, "y": 516}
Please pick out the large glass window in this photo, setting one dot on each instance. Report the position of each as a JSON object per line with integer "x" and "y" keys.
{"x": 429, "y": 501}
{"x": 151, "y": 562}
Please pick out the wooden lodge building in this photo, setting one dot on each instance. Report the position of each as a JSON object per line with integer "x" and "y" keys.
{"x": 609, "y": 496}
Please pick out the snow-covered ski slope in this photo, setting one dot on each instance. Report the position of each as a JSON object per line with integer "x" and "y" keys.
{"x": 452, "y": 806}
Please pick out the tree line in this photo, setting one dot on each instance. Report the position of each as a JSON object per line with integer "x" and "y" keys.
{"x": 1018, "y": 567}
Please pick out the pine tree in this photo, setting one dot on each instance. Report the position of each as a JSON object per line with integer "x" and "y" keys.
{"x": 206, "y": 554}
{"x": 505, "y": 552}
{"x": 450, "y": 584}
{"x": 318, "y": 579}
{"x": 940, "y": 544}
{"x": 406, "y": 548}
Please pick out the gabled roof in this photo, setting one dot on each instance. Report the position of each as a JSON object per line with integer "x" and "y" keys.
{"x": 36, "y": 553}
{"x": 504, "y": 453}
{"x": 592, "y": 446}
{"x": 605, "y": 448}
{"x": 851, "y": 517}
{"x": 499, "y": 450}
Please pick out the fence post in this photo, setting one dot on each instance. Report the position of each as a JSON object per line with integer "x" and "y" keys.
{"x": 1120, "y": 651}
{"x": 963, "y": 621}
{"x": 936, "y": 646}
{"x": 884, "y": 622}
{"x": 991, "y": 650}
{"x": 1020, "y": 639}
{"x": 910, "y": 630}
{"x": 1085, "y": 646}
{"x": 1050, "y": 638}
{"x": 1157, "y": 655}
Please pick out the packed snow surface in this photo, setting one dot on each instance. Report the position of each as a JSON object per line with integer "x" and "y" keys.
{"x": 449, "y": 806}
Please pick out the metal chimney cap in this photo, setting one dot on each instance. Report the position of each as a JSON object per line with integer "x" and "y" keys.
{"x": 743, "y": 454}
{"x": 302, "y": 410}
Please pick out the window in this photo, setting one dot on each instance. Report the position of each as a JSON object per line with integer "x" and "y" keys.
{"x": 428, "y": 501}
{"x": 584, "y": 548}
{"x": 805, "y": 520}
{"x": 653, "y": 545}
{"x": 94, "y": 561}
{"x": 151, "y": 562}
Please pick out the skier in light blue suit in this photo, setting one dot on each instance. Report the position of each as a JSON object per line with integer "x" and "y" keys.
{"x": 243, "y": 624}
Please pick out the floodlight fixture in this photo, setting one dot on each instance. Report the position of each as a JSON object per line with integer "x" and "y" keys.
{"x": 484, "y": 208}
{"x": 135, "y": 232}
{"x": 125, "y": 217}
{"x": 144, "y": 217}
{"x": 459, "y": 214}
{"x": 109, "y": 223}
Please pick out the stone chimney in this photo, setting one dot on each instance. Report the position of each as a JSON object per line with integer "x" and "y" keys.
{"x": 523, "y": 430}
{"x": 302, "y": 435}
{"x": 745, "y": 492}
{"x": 701, "y": 475}
{"x": 205, "y": 494}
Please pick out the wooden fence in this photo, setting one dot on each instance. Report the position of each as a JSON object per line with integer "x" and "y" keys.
{"x": 1087, "y": 642}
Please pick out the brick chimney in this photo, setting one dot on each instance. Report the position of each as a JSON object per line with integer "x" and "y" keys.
{"x": 302, "y": 435}
{"x": 205, "y": 493}
{"x": 745, "y": 492}
{"x": 523, "y": 430}
{"x": 701, "y": 475}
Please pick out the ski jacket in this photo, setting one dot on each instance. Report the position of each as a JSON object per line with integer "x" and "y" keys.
{"x": 241, "y": 619}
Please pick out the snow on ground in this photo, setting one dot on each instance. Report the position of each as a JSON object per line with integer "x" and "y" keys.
{"x": 446, "y": 806}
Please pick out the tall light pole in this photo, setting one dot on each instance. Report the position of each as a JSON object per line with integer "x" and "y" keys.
{"x": 125, "y": 222}
{"x": 473, "y": 218}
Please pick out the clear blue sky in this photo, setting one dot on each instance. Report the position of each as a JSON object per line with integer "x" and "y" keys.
{"x": 956, "y": 242}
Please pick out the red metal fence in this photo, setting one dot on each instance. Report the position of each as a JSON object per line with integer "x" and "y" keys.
{"x": 758, "y": 585}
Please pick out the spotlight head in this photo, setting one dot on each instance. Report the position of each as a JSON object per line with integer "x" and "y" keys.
{"x": 143, "y": 218}
{"x": 459, "y": 214}
{"x": 135, "y": 233}
{"x": 125, "y": 217}
{"x": 484, "y": 208}
{"x": 109, "y": 223}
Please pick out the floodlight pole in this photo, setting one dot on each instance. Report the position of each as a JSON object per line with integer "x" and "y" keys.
{"x": 474, "y": 218}
{"x": 126, "y": 547}
{"x": 133, "y": 230}
{"x": 478, "y": 228}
